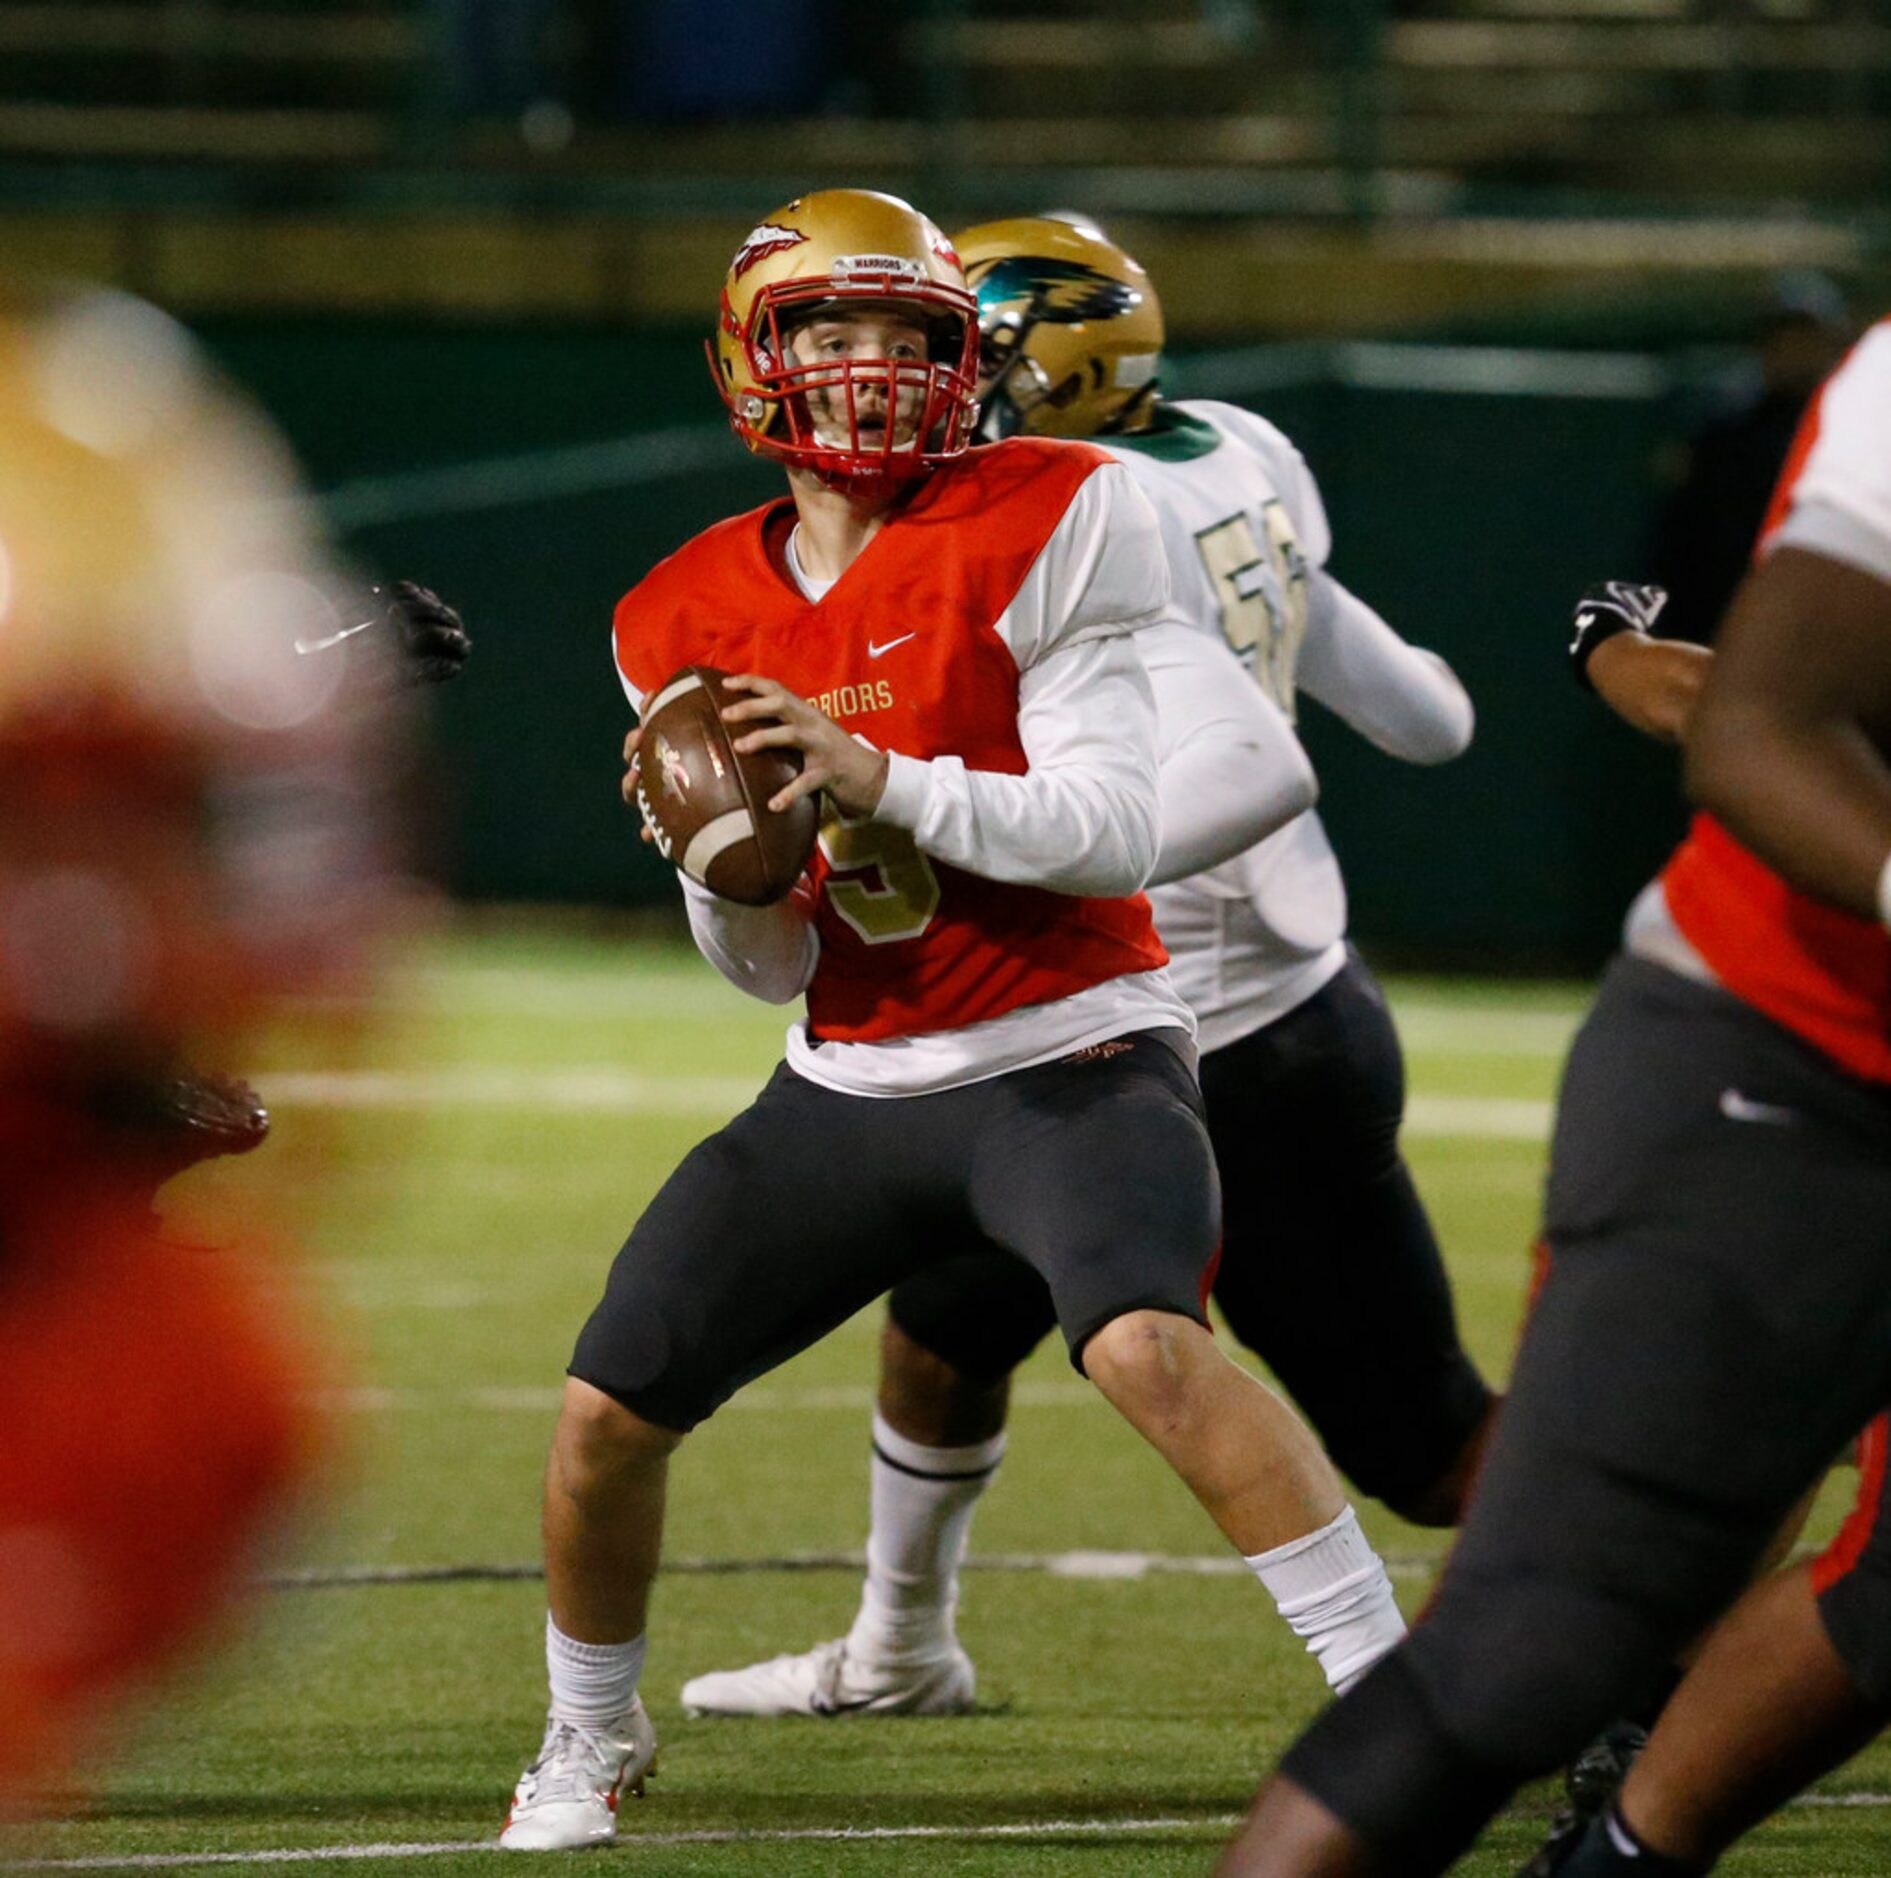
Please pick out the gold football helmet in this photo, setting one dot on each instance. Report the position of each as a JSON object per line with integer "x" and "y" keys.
{"x": 1070, "y": 327}
{"x": 824, "y": 254}
{"x": 177, "y": 830}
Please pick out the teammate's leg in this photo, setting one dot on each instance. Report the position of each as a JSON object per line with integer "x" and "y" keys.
{"x": 1792, "y": 1682}
{"x": 1101, "y": 1174}
{"x": 938, "y": 1437}
{"x": 1661, "y": 1421}
{"x": 1330, "y": 1271}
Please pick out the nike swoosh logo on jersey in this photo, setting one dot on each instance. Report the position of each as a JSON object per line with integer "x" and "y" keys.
{"x": 878, "y": 652}
{"x": 1739, "y": 1108}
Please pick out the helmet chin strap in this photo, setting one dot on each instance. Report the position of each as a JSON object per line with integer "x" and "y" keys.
{"x": 998, "y": 418}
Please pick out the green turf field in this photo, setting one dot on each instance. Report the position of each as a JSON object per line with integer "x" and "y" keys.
{"x": 501, "y": 1138}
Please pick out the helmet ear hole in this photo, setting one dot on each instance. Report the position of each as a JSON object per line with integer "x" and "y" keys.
{"x": 1066, "y": 393}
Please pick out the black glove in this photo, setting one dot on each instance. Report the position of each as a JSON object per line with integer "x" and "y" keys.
{"x": 175, "y": 1120}
{"x": 431, "y": 636}
{"x": 1608, "y": 608}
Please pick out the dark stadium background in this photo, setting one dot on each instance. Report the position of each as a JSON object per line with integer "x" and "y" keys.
{"x": 1488, "y": 261}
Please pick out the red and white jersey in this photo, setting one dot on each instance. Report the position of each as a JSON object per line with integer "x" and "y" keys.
{"x": 1247, "y": 539}
{"x": 1718, "y": 910}
{"x": 983, "y": 639}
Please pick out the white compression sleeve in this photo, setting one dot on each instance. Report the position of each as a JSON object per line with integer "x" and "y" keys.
{"x": 1232, "y": 771}
{"x": 1403, "y": 699}
{"x": 1082, "y": 819}
{"x": 767, "y": 951}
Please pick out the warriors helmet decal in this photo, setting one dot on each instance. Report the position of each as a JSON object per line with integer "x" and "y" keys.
{"x": 765, "y": 239}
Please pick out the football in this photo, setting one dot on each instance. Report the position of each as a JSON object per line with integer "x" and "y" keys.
{"x": 706, "y": 806}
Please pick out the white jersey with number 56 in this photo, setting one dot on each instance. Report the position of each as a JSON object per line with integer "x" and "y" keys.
{"x": 1247, "y": 541}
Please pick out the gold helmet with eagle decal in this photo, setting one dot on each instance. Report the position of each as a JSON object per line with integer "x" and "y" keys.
{"x": 826, "y": 254}
{"x": 1071, "y": 329}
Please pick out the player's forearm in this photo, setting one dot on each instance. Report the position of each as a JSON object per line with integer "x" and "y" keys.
{"x": 767, "y": 951}
{"x": 1652, "y": 684}
{"x": 1400, "y": 697}
{"x": 1083, "y": 818}
{"x": 1232, "y": 771}
{"x": 1813, "y": 802}
{"x": 1788, "y": 742}
{"x": 1086, "y": 828}
{"x": 1219, "y": 798}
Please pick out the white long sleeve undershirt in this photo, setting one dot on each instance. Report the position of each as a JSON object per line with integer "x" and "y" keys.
{"x": 1231, "y": 770}
{"x": 1083, "y": 819}
{"x": 1400, "y": 697}
{"x": 768, "y": 951}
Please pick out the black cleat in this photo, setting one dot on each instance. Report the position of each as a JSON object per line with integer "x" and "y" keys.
{"x": 1595, "y": 1774}
{"x": 1589, "y": 1784}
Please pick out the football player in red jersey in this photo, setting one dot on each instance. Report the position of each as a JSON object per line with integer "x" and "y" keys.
{"x": 993, "y": 1054}
{"x": 1716, "y": 1321}
{"x": 182, "y": 845}
{"x": 1329, "y": 1272}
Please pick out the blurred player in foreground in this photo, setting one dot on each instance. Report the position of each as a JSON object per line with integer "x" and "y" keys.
{"x": 1329, "y": 1270}
{"x": 1716, "y": 1322}
{"x": 993, "y": 1053}
{"x": 409, "y": 636}
{"x": 186, "y": 838}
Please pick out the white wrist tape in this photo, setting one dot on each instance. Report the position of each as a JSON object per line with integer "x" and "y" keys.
{"x": 1884, "y": 894}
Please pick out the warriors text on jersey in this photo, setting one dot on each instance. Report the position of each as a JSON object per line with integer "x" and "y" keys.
{"x": 997, "y": 563}
{"x": 1823, "y": 973}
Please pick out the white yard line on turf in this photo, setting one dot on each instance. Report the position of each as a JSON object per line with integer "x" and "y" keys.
{"x": 1457, "y": 1029}
{"x": 1118, "y": 1567}
{"x": 624, "y": 1092}
{"x": 1216, "y": 1823}
{"x": 1484, "y": 1030}
{"x": 603, "y": 1091}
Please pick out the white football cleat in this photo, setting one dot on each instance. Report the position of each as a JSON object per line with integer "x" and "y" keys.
{"x": 826, "y": 1680}
{"x": 567, "y": 1799}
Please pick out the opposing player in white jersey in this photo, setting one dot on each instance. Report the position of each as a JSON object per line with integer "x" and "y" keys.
{"x": 1329, "y": 1269}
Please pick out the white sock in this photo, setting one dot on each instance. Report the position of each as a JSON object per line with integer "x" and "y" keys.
{"x": 1331, "y": 1587}
{"x": 593, "y": 1684}
{"x": 922, "y": 1514}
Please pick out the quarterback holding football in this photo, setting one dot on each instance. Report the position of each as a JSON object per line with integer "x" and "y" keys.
{"x": 1329, "y": 1269}
{"x": 993, "y": 1055}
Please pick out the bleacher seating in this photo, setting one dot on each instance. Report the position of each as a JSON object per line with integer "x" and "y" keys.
{"x": 1673, "y": 99}
{"x": 304, "y": 151}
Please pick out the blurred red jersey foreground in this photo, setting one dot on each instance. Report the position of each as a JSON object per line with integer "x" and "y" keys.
{"x": 192, "y": 835}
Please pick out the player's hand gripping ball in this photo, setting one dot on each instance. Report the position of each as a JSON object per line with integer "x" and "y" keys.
{"x": 706, "y": 804}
